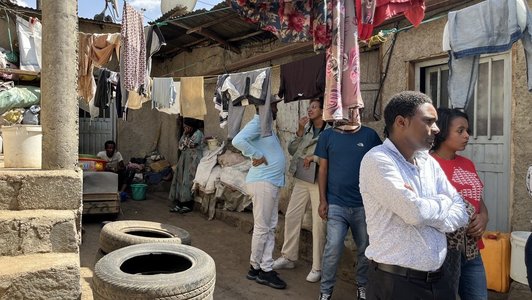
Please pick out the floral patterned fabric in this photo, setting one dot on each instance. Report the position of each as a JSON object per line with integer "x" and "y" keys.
{"x": 342, "y": 80}
{"x": 134, "y": 50}
{"x": 290, "y": 21}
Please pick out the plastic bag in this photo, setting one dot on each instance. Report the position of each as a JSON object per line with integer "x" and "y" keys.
{"x": 13, "y": 116}
{"x": 31, "y": 115}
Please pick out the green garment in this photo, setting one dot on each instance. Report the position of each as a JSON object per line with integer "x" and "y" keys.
{"x": 191, "y": 154}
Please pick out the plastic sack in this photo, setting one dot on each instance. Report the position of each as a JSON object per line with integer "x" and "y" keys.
{"x": 13, "y": 116}
{"x": 18, "y": 97}
{"x": 31, "y": 115}
{"x": 29, "y": 40}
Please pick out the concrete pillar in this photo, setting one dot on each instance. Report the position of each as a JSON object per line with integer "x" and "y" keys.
{"x": 59, "y": 114}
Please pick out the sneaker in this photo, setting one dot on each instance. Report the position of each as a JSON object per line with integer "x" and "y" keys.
{"x": 324, "y": 297}
{"x": 271, "y": 279}
{"x": 314, "y": 276}
{"x": 283, "y": 263}
{"x": 361, "y": 293}
{"x": 252, "y": 273}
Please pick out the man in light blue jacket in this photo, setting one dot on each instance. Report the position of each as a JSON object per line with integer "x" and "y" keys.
{"x": 264, "y": 181}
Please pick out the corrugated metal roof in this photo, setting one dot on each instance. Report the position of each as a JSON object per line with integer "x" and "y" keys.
{"x": 221, "y": 22}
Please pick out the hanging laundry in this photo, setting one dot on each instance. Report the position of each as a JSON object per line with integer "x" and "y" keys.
{"x": 163, "y": 94}
{"x": 118, "y": 99}
{"x": 154, "y": 42}
{"x": 290, "y": 21}
{"x": 491, "y": 26}
{"x": 372, "y": 13}
{"x": 342, "y": 80}
{"x": 29, "y": 40}
{"x": 135, "y": 100}
{"x": 221, "y": 100}
{"x": 104, "y": 90}
{"x": 303, "y": 79}
{"x": 175, "y": 108}
{"x": 192, "y": 98}
{"x": 134, "y": 49}
{"x": 85, "y": 67}
{"x": 242, "y": 89}
{"x": 103, "y": 46}
{"x": 94, "y": 50}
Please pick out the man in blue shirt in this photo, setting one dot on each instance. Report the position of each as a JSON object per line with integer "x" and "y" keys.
{"x": 340, "y": 153}
{"x": 264, "y": 181}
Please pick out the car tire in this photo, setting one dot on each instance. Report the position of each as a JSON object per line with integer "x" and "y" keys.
{"x": 119, "y": 234}
{"x": 155, "y": 271}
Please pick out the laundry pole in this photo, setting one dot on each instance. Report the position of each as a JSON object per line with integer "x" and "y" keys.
{"x": 59, "y": 112}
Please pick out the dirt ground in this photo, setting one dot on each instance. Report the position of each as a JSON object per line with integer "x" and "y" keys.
{"x": 227, "y": 245}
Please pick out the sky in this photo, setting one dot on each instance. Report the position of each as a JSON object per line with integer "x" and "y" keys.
{"x": 89, "y": 8}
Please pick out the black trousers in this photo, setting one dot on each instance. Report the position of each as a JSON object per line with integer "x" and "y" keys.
{"x": 384, "y": 286}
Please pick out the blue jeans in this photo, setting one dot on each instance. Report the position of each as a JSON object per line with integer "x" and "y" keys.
{"x": 339, "y": 220}
{"x": 466, "y": 277}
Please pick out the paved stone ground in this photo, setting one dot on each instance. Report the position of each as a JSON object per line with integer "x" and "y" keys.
{"x": 227, "y": 239}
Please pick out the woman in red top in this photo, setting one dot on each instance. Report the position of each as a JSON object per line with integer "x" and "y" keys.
{"x": 463, "y": 265}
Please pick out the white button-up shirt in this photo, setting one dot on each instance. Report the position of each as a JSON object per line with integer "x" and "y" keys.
{"x": 409, "y": 207}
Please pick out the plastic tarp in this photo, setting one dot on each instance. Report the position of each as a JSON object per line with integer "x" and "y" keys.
{"x": 19, "y": 97}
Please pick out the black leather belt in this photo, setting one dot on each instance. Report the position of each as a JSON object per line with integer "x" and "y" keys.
{"x": 431, "y": 276}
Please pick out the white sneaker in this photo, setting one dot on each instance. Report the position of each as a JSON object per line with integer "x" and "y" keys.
{"x": 283, "y": 263}
{"x": 314, "y": 276}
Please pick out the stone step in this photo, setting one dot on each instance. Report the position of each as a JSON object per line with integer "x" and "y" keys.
{"x": 40, "y": 189}
{"x": 40, "y": 276}
{"x": 38, "y": 231}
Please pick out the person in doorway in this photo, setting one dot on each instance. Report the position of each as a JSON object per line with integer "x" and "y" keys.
{"x": 340, "y": 152}
{"x": 264, "y": 181}
{"x": 115, "y": 163}
{"x": 410, "y": 205}
{"x": 302, "y": 148}
{"x": 463, "y": 264}
{"x": 190, "y": 153}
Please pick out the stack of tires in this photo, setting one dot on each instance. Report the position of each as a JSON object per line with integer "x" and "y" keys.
{"x": 146, "y": 260}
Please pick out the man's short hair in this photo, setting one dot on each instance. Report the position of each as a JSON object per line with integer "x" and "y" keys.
{"x": 110, "y": 142}
{"x": 403, "y": 104}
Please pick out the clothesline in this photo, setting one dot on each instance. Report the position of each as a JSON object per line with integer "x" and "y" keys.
{"x": 14, "y": 11}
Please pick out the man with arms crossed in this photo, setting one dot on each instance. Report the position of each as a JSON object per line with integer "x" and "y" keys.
{"x": 410, "y": 205}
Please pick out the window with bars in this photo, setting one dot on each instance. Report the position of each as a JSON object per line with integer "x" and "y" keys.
{"x": 486, "y": 109}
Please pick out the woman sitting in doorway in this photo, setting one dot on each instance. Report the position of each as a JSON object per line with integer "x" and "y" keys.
{"x": 191, "y": 152}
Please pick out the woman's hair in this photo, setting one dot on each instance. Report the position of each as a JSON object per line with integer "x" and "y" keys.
{"x": 445, "y": 118}
{"x": 194, "y": 123}
{"x": 319, "y": 100}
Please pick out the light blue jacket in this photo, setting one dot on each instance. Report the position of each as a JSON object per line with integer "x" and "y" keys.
{"x": 252, "y": 145}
